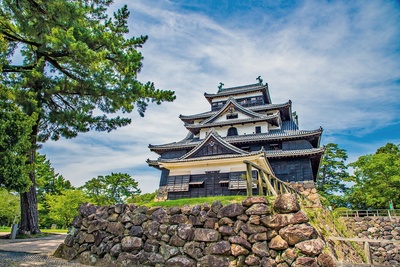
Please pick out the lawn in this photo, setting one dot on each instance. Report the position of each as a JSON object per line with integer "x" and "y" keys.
{"x": 48, "y": 231}
{"x": 194, "y": 201}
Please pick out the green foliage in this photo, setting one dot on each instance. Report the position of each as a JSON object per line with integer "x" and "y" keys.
{"x": 111, "y": 189}
{"x": 15, "y": 128}
{"x": 79, "y": 69}
{"x": 194, "y": 201}
{"x": 47, "y": 180}
{"x": 48, "y": 183}
{"x": 64, "y": 207}
{"x": 9, "y": 207}
{"x": 377, "y": 179}
{"x": 332, "y": 174}
{"x": 75, "y": 59}
{"x": 142, "y": 198}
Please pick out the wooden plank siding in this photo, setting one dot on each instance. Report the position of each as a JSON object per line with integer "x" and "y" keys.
{"x": 214, "y": 184}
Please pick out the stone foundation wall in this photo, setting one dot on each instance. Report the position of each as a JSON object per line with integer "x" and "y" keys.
{"x": 253, "y": 233}
{"x": 379, "y": 228}
{"x": 308, "y": 189}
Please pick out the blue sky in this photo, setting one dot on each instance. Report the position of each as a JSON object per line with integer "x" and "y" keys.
{"x": 338, "y": 61}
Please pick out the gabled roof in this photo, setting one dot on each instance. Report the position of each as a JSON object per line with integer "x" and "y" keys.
{"x": 284, "y": 108}
{"x": 288, "y": 131}
{"x": 241, "y": 90}
{"x": 232, "y": 103}
{"x": 214, "y": 139}
{"x": 195, "y": 128}
{"x": 254, "y": 117}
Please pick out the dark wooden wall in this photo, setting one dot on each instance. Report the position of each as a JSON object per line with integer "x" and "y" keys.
{"x": 292, "y": 169}
{"x": 211, "y": 186}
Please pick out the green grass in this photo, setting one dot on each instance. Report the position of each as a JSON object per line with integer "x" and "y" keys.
{"x": 46, "y": 231}
{"x": 5, "y": 229}
{"x": 194, "y": 201}
{"x": 54, "y": 231}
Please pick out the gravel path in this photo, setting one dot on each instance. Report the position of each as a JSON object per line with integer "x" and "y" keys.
{"x": 32, "y": 252}
{"x": 13, "y": 258}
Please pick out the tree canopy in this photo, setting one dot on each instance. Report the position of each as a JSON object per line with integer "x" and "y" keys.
{"x": 47, "y": 180}
{"x": 64, "y": 207}
{"x": 72, "y": 67}
{"x": 332, "y": 174}
{"x": 111, "y": 189}
{"x": 9, "y": 207}
{"x": 376, "y": 179}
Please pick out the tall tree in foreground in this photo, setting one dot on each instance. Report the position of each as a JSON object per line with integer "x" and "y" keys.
{"x": 72, "y": 65}
{"x": 377, "y": 179}
{"x": 332, "y": 174}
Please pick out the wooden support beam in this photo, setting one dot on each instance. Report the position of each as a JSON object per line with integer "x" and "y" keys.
{"x": 249, "y": 177}
{"x": 270, "y": 187}
{"x": 260, "y": 183}
{"x": 367, "y": 253}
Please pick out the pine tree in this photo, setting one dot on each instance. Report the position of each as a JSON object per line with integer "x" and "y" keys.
{"x": 75, "y": 60}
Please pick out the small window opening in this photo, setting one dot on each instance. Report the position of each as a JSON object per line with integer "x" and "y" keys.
{"x": 231, "y": 116}
{"x": 232, "y": 131}
{"x": 274, "y": 146}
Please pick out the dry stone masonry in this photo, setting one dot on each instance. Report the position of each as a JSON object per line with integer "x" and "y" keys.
{"x": 247, "y": 234}
{"x": 380, "y": 228}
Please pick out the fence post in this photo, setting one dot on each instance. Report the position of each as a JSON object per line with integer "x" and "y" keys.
{"x": 249, "y": 183}
{"x": 260, "y": 183}
{"x": 367, "y": 253}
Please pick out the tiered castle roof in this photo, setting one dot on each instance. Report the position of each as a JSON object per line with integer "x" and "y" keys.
{"x": 254, "y": 105}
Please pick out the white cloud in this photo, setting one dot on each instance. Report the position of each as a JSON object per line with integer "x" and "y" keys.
{"x": 338, "y": 62}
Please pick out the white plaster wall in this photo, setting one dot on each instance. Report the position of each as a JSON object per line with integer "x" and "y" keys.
{"x": 240, "y": 116}
{"x": 242, "y": 129}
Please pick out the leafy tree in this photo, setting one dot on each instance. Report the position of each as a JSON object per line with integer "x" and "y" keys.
{"x": 377, "y": 179}
{"x": 64, "y": 207}
{"x": 47, "y": 180}
{"x": 142, "y": 198}
{"x": 15, "y": 128}
{"x": 9, "y": 207}
{"x": 78, "y": 70}
{"x": 111, "y": 189}
{"x": 332, "y": 174}
{"x": 48, "y": 183}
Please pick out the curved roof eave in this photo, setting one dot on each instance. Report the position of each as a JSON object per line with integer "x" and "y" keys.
{"x": 240, "y": 139}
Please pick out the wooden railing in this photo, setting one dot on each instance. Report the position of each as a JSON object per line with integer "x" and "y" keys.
{"x": 369, "y": 213}
{"x": 366, "y": 241}
{"x": 267, "y": 182}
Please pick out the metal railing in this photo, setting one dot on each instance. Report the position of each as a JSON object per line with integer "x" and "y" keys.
{"x": 369, "y": 213}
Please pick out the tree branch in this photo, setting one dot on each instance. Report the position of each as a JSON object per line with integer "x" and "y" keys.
{"x": 58, "y": 66}
{"x": 12, "y": 68}
{"x": 13, "y": 38}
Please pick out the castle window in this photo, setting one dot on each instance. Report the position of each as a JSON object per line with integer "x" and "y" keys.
{"x": 274, "y": 147}
{"x": 232, "y": 131}
{"x": 258, "y": 129}
{"x": 231, "y": 116}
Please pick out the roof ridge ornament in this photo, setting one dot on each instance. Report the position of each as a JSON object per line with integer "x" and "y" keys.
{"x": 259, "y": 79}
{"x": 220, "y": 86}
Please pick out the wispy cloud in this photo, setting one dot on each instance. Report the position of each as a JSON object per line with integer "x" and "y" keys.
{"x": 337, "y": 61}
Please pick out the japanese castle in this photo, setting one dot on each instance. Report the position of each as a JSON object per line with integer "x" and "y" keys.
{"x": 242, "y": 125}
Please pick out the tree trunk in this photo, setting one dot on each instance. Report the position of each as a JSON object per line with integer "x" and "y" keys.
{"x": 29, "y": 209}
